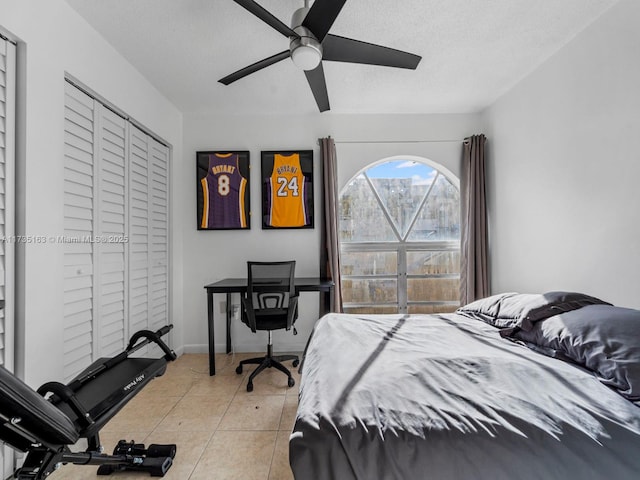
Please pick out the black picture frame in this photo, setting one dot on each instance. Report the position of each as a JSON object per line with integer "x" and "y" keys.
{"x": 287, "y": 196}
{"x": 223, "y": 190}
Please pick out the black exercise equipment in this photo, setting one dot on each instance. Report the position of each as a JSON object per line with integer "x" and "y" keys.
{"x": 45, "y": 423}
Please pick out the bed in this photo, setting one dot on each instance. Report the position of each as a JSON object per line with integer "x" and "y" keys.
{"x": 515, "y": 386}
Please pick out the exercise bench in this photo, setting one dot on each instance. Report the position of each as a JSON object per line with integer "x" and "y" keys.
{"x": 43, "y": 424}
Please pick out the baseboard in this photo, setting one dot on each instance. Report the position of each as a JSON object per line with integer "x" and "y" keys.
{"x": 196, "y": 348}
{"x": 179, "y": 351}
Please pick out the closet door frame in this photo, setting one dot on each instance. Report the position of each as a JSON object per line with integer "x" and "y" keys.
{"x": 7, "y": 249}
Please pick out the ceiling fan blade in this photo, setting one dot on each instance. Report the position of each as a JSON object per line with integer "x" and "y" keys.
{"x": 318, "y": 86}
{"x": 321, "y": 16}
{"x": 255, "y": 67}
{"x": 267, "y": 17}
{"x": 341, "y": 49}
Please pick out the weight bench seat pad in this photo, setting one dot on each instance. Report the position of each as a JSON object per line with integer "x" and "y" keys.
{"x": 106, "y": 394}
{"x": 36, "y": 414}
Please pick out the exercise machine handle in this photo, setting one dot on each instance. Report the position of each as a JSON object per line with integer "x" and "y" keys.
{"x": 65, "y": 394}
{"x": 150, "y": 336}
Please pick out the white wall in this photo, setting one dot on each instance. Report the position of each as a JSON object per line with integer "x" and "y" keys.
{"x": 564, "y": 166}
{"x": 54, "y": 40}
{"x": 213, "y": 255}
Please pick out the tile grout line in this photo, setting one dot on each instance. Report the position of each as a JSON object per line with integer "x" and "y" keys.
{"x": 197, "y": 461}
{"x": 235, "y": 397}
{"x": 214, "y": 431}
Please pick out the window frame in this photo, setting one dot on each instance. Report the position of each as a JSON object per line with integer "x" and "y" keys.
{"x": 401, "y": 245}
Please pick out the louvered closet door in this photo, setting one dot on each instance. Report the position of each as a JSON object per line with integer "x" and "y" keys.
{"x": 139, "y": 221}
{"x": 7, "y": 231}
{"x": 116, "y": 210}
{"x": 159, "y": 240}
{"x": 95, "y": 231}
{"x": 111, "y": 232}
{"x": 78, "y": 230}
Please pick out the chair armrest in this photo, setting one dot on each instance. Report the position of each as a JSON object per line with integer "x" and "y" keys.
{"x": 250, "y": 314}
{"x": 292, "y": 312}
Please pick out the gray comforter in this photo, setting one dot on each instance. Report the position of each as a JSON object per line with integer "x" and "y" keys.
{"x": 445, "y": 397}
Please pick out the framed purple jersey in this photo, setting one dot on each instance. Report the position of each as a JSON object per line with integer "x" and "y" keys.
{"x": 223, "y": 190}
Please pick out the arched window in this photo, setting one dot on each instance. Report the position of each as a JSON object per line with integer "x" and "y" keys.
{"x": 400, "y": 238}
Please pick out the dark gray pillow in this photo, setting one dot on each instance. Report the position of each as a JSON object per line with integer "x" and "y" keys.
{"x": 514, "y": 311}
{"x": 602, "y": 338}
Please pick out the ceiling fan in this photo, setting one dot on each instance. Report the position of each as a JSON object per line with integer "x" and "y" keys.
{"x": 310, "y": 42}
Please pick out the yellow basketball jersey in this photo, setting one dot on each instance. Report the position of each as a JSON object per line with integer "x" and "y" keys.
{"x": 287, "y": 192}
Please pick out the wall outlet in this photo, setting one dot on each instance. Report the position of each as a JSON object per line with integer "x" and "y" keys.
{"x": 223, "y": 307}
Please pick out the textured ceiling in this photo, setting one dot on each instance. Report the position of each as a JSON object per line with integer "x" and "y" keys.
{"x": 472, "y": 51}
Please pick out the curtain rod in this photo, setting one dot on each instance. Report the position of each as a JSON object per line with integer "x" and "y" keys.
{"x": 397, "y": 141}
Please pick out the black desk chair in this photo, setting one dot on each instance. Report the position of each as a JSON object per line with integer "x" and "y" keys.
{"x": 271, "y": 304}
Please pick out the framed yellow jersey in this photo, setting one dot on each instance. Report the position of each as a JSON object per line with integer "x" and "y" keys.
{"x": 287, "y": 189}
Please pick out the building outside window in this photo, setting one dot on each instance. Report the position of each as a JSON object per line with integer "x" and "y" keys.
{"x": 400, "y": 238}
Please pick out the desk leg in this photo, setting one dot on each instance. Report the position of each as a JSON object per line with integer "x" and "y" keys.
{"x": 229, "y": 315}
{"x": 326, "y": 301}
{"x": 330, "y": 309}
{"x": 212, "y": 351}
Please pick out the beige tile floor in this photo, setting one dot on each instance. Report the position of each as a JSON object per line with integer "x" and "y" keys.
{"x": 222, "y": 432}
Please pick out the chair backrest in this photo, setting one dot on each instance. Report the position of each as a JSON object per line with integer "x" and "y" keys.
{"x": 271, "y": 292}
{"x": 270, "y": 284}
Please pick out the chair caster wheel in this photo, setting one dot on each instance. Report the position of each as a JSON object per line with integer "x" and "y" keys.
{"x": 296, "y": 363}
{"x": 291, "y": 382}
{"x": 239, "y": 369}
{"x": 249, "y": 387}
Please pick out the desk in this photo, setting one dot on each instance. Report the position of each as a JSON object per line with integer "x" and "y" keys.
{"x": 239, "y": 285}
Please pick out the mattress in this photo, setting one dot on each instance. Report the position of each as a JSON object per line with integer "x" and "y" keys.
{"x": 445, "y": 397}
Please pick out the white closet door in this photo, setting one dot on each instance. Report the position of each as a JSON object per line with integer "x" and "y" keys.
{"x": 111, "y": 233}
{"x": 7, "y": 210}
{"x": 116, "y": 207}
{"x": 139, "y": 220}
{"x": 159, "y": 240}
{"x": 78, "y": 231}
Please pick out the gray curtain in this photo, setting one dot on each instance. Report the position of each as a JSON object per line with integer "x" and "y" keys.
{"x": 474, "y": 273}
{"x": 329, "y": 248}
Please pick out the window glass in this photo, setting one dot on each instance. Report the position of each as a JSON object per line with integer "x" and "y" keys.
{"x": 433, "y": 262}
{"x": 432, "y": 289}
{"x": 402, "y": 186}
{"x": 369, "y": 263}
{"x": 400, "y": 239}
{"x": 439, "y": 219}
{"x": 360, "y": 214}
{"x": 375, "y": 291}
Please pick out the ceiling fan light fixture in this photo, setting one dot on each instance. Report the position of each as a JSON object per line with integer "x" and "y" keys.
{"x": 310, "y": 43}
{"x": 306, "y": 57}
